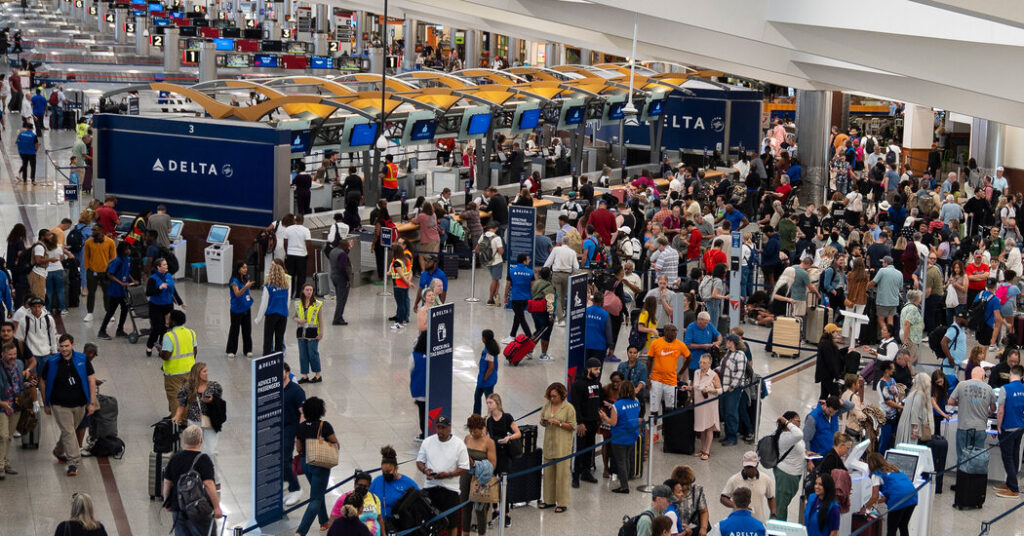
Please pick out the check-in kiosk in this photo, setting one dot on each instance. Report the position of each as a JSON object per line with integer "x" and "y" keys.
{"x": 219, "y": 255}
{"x": 775, "y": 527}
{"x": 860, "y": 480}
{"x": 179, "y": 246}
{"x": 915, "y": 461}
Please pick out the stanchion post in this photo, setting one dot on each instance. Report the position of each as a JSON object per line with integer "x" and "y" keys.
{"x": 472, "y": 278}
{"x": 648, "y": 488}
{"x": 387, "y": 273}
{"x": 502, "y": 497}
{"x": 757, "y": 419}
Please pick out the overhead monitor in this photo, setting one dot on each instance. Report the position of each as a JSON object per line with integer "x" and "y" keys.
{"x": 218, "y": 234}
{"x": 301, "y": 141}
{"x": 233, "y": 33}
{"x": 615, "y": 111}
{"x": 574, "y": 115}
{"x": 294, "y": 61}
{"x": 178, "y": 14}
{"x": 529, "y": 119}
{"x": 252, "y": 33}
{"x": 209, "y": 33}
{"x": 264, "y": 60}
{"x": 272, "y": 46}
{"x": 656, "y": 108}
{"x": 187, "y": 31}
{"x": 224, "y": 44}
{"x": 156, "y": 7}
{"x": 906, "y": 461}
{"x": 238, "y": 61}
{"x": 138, "y": 12}
{"x": 423, "y": 130}
{"x": 479, "y": 124}
{"x": 162, "y": 21}
{"x": 322, "y": 62}
{"x": 297, "y": 47}
{"x": 176, "y": 226}
{"x": 363, "y": 134}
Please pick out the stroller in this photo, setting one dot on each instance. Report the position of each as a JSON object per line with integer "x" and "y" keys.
{"x": 138, "y": 309}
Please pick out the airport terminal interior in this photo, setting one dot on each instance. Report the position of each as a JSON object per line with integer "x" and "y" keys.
{"x": 234, "y": 114}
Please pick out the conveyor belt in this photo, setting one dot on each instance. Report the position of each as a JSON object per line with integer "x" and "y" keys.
{"x": 91, "y": 58}
{"x": 59, "y": 76}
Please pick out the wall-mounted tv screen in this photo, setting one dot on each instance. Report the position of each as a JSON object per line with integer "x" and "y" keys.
{"x": 363, "y": 134}
{"x": 264, "y": 60}
{"x": 529, "y": 119}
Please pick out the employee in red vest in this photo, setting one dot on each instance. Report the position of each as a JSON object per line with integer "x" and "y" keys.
{"x": 389, "y": 179}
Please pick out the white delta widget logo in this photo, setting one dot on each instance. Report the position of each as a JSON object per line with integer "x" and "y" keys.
{"x": 193, "y": 168}
{"x": 690, "y": 122}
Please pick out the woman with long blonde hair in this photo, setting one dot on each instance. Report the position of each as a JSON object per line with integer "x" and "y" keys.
{"x": 198, "y": 399}
{"x": 274, "y": 306}
{"x": 83, "y": 518}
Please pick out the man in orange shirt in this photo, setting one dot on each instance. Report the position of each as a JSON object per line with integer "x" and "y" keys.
{"x": 663, "y": 362}
{"x": 389, "y": 179}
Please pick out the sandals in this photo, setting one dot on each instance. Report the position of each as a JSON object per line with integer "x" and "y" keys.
{"x": 544, "y": 506}
{"x": 560, "y": 509}
{"x": 705, "y": 455}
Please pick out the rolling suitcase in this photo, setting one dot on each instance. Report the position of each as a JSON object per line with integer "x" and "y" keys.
{"x": 969, "y": 492}
{"x": 817, "y": 318}
{"x": 450, "y": 263}
{"x": 518, "y": 349}
{"x": 529, "y": 433}
{"x": 157, "y": 465}
{"x": 638, "y": 455}
{"x": 785, "y": 337}
{"x": 677, "y": 429}
{"x": 464, "y": 254}
{"x": 321, "y": 279}
{"x": 860, "y": 520}
{"x": 525, "y": 488}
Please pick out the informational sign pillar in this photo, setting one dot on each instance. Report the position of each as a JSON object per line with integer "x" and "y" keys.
{"x": 267, "y": 376}
{"x": 440, "y": 352}
{"x": 207, "y": 62}
{"x": 172, "y": 56}
{"x": 575, "y": 326}
{"x": 101, "y": 16}
{"x": 120, "y": 17}
{"x": 522, "y": 223}
{"x": 735, "y": 275}
{"x": 141, "y": 37}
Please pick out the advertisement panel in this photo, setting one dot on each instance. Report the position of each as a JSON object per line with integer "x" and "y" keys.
{"x": 576, "y": 325}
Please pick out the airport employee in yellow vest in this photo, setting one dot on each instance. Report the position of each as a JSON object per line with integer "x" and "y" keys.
{"x": 389, "y": 179}
{"x": 179, "y": 354}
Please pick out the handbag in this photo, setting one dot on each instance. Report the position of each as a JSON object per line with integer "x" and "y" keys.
{"x": 537, "y": 306}
{"x": 320, "y": 452}
{"x": 612, "y": 303}
{"x": 297, "y": 465}
{"x": 486, "y": 493}
{"x": 305, "y": 332}
{"x": 952, "y": 300}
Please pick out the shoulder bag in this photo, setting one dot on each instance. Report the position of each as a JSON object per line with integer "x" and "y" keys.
{"x": 320, "y": 452}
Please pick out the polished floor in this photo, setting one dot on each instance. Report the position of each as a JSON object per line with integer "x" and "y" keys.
{"x": 365, "y": 387}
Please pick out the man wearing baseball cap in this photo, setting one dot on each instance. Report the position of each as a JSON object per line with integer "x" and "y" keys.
{"x": 761, "y": 486}
{"x": 443, "y": 460}
{"x": 740, "y": 521}
{"x": 661, "y": 497}
{"x": 954, "y": 343}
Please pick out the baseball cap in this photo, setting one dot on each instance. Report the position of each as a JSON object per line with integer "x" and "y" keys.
{"x": 750, "y": 459}
{"x": 661, "y": 490}
{"x": 625, "y": 229}
{"x": 443, "y": 421}
{"x": 1000, "y": 168}
{"x": 593, "y": 362}
{"x": 831, "y": 328}
{"x": 35, "y": 301}
{"x": 962, "y": 314}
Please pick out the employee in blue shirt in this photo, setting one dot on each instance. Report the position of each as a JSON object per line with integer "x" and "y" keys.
{"x": 624, "y": 418}
{"x": 389, "y": 485}
{"x": 598, "y": 331}
{"x": 520, "y": 277}
{"x": 891, "y": 486}
{"x": 741, "y": 522}
{"x": 795, "y": 171}
{"x": 119, "y": 273}
{"x": 1010, "y": 421}
{"x": 821, "y": 516}
{"x": 39, "y": 109}
{"x": 28, "y": 144}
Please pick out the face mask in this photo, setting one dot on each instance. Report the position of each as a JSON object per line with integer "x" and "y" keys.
{"x": 389, "y": 477}
{"x": 362, "y": 488}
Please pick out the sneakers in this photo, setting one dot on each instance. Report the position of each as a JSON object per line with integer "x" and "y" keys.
{"x": 560, "y": 323}
{"x": 292, "y": 498}
{"x": 1000, "y": 487}
{"x": 121, "y": 333}
{"x": 65, "y": 312}
{"x": 9, "y": 471}
{"x": 546, "y": 357}
{"x": 103, "y": 335}
{"x": 61, "y": 459}
{"x": 72, "y": 470}
{"x": 490, "y": 303}
{"x": 396, "y": 326}
{"x": 88, "y": 317}
{"x": 248, "y": 354}
{"x": 611, "y": 359}
{"x": 1007, "y": 494}
{"x": 231, "y": 356}
{"x": 507, "y": 340}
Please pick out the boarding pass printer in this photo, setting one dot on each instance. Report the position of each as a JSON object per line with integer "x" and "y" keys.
{"x": 219, "y": 255}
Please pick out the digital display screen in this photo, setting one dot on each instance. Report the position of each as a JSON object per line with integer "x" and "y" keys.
{"x": 294, "y": 62}
{"x": 140, "y": 3}
{"x": 210, "y": 33}
{"x": 363, "y": 134}
{"x": 249, "y": 33}
{"x": 223, "y": 43}
{"x": 479, "y": 124}
{"x": 906, "y": 462}
{"x": 218, "y": 234}
{"x": 163, "y": 21}
{"x": 322, "y": 62}
{"x": 615, "y": 111}
{"x": 272, "y": 46}
{"x": 247, "y": 45}
{"x": 178, "y": 14}
{"x": 529, "y": 119}
{"x": 187, "y": 31}
{"x": 124, "y": 223}
{"x": 656, "y": 108}
{"x": 139, "y": 13}
{"x": 264, "y": 60}
{"x": 231, "y": 32}
{"x": 156, "y": 7}
{"x": 300, "y": 141}
{"x": 237, "y": 60}
{"x": 423, "y": 130}
{"x": 574, "y": 115}
{"x": 296, "y": 47}
{"x": 176, "y": 226}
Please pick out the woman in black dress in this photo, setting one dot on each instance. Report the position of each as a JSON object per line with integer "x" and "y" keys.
{"x": 502, "y": 428}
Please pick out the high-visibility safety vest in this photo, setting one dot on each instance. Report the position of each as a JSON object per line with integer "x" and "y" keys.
{"x": 310, "y": 315}
{"x": 183, "y": 352}
{"x": 391, "y": 175}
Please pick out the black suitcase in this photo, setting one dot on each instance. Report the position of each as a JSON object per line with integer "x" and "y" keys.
{"x": 969, "y": 492}
{"x": 465, "y": 255}
{"x": 70, "y": 119}
{"x": 414, "y": 509}
{"x": 157, "y": 465}
{"x": 525, "y": 488}
{"x": 529, "y": 433}
{"x": 450, "y": 265}
{"x": 678, "y": 434}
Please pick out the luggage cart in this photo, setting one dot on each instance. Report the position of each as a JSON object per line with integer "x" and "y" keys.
{"x": 138, "y": 308}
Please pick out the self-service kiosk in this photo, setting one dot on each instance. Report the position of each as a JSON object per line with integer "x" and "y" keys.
{"x": 219, "y": 255}
{"x": 775, "y": 527}
{"x": 860, "y": 481}
{"x": 915, "y": 461}
{"x": 179, "y": 246}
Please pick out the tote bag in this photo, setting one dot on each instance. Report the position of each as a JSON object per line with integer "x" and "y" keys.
{"x": 320, "y": 452}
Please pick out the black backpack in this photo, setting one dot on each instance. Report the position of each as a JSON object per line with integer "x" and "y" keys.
{"x": 165, "y": 436}
{"x": 890, "y": 157}
{"x": 976, "y": 314}
{"x": 329, "y": 246}
{"x": 110, "y": 447}
{"x": 629, "y": 524}
{"x": 172, "y": 261}
{"x": 76, "y": 238}
{"x": 768, "y": 451}
{"x": 191, "y": 495}
{"x": 935, "y": 340}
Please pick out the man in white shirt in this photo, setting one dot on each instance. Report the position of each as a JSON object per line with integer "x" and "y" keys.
{"x": 676, "y": 185}
{"x": 492, "y": 244}
{"x": 563, "y": 263}
{"x": 895, "y": 149}
{"x": 38, "y": 329}
{"x": 338, "y": 229}
{"x": 999, "y": 183}
{"x": 296, "y": 240}
{"x": 443, "y": 460}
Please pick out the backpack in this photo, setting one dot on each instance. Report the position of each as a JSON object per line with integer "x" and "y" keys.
{"x": 890, "y": 157}
{"x": 191, "y": 495}
{"x": 1001, "y": 293}
{"x": 768, "y": 451}
{"x": 172, "y": 261}
{"x": 76, "y": 239}
{"x": 53, "y": 98}
{"x": 574, "y": 241}
{"x": 638, "y": 249}
{"x": 108, "y": 447}
{"x": 267, "y": 239}
{"x": 637, "y": 338}
{"x": 165, "y": 436}
{"x": 935, "y": 340}
{"x": 485, "y": 251}
{"x": 706, "y": 288}
{"x": 629, "y": 524}
{"x": 604, "y": 281}
{"x": 976, "y": 314}
{"x": 600, "y": 258}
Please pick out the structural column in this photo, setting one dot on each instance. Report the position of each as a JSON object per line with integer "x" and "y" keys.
{"x": 585, "y": 57}
{"x": 207, "y": 62}
{"x": 918, "y": 132}
{"x": 472, "y": 59}
{"x": 172, "y": 57}
{"x": 361, "y": 27}
{"x": 409, "y": 33}
{"x": 552, "y": 54}
{"x": 141, "y": 37}
{"x": 813, "y": 111}
{"x": 987, "y": 144}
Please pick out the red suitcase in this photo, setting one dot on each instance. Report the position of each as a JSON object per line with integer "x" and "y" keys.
{"x": 518, "y": 349}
